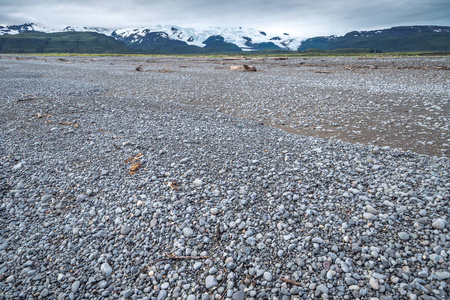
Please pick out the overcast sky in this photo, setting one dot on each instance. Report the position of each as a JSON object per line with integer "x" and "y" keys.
{"x": 303, "y": 18}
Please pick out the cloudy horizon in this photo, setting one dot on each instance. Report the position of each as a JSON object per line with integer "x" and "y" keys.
{"x": 297, "y": 17}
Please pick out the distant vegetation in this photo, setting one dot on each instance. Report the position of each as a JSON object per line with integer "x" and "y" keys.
{"x": 343, "y": 51}
{"x": 61, "y": 42}
{"x": 397, "y": 39}
{"x": 90, "y": 42}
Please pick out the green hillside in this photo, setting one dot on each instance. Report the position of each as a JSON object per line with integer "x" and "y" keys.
{"x": 61, "y": 42}
{"x": 396, "y": 39}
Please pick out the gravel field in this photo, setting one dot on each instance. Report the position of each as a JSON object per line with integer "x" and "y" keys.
{"x": 114, "y": 185}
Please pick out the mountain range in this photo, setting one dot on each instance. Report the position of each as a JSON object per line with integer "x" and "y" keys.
{"x": 173, "y": 38}
{"x": 31, "y": 38}
{"x": 395, "y": 39}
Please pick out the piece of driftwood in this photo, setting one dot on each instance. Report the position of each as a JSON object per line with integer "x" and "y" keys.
{"x": 224, "y": 294}
{"x": 173, "y": 185}
{"x": 442, "y": 68}
{"x": 279, "y": 58}
{"x": 289, "y": 281}
{"x": 218, "y": 231}
{"x": 235, "y": 58}
{"x": 27, "y": 97}
{"x": 39, "y": 115}
{"x": 135, "y": 167}
{"x": 175, "y": 257}
{"x": 250, "y": 68}
{"x": 237, "y": 68}
{"x": 322, "y": 72}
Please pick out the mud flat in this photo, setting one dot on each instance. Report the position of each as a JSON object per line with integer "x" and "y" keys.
{"x": 384, "y": 101}
{"x": 167, "y": 183}
{"x": 397, "y": 102}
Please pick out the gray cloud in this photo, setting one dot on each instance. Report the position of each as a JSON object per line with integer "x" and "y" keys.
{"x": 299, "y": 17}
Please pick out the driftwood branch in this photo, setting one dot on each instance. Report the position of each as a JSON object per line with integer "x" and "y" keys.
{"x": 218, "y": 231}
{"x": 224, "y": 294}
{"x": 174, "y": 257}
{"x": 28, "y": 98}
{"x": 250, "y": 68}
{"x": 289, "y": 281}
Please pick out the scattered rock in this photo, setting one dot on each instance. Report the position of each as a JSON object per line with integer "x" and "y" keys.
{"x": 403, "y": 235}
{"x": 188, "y": 232}
{"x": 439, "y": 224}
{"x": 106, "y": 269}
{"x": 239, "y": 295}
{"x": 369, "y": 216}
{"x": 221, "y": 206}
{"x": 210, "y": 282}
{"x": 75, "y": 286}
{"x": 125, "y": 229}
{"x": 267, "y": 276}
{"x": 197, "y": 182}
{"x": 374, "y": 283}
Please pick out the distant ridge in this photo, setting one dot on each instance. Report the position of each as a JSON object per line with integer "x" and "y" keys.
{"x": 395, "y": 39}
{"x": 170, "y": 39}
{"x": 61, "y": 42}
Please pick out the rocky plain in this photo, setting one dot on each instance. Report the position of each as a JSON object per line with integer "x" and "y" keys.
{"x": 180, "y": 178}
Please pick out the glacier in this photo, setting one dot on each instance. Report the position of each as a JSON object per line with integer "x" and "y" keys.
{"x": 240, "y": 36}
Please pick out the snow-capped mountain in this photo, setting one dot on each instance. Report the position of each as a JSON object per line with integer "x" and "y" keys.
{"x": 16, "y": 29}
{"x": 101, "y": 30}
{"x": 247, "y": 39}
{"x": 244, "y": 38}
{"x": 172, "y": 39}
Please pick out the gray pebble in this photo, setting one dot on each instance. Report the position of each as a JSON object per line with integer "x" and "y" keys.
{"x": 210, "y": 282}
{"x": 188, "y": 232}
{"x": 197, "y": 182}
{"x": 197, "y": 265}
{"x": 81, "y": 197}
{"x": 439, "y": 224}
{"x": 369, "y": 216}
{"x": 75, "y": 286}
{"x": 403, "y": 235}
{"x": 374, "y": 283}
{"x": 371, "y": 210}
{"x": 106, "y": 269}
{"x": 240, "y": 295}
{"x": 267, "y": 276}
{"x": 165, "y": 286}
{"x": 443, "y": 274}
{"x": 318, "y": 240}
{"x": 322, "y": 289}
{"x": 125, "y": 229}
{"x": 46, "y": 197}
{"x": 162, "y": 295}
{"x": 44, "y": 292}
{"x": 127, "y": 293}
